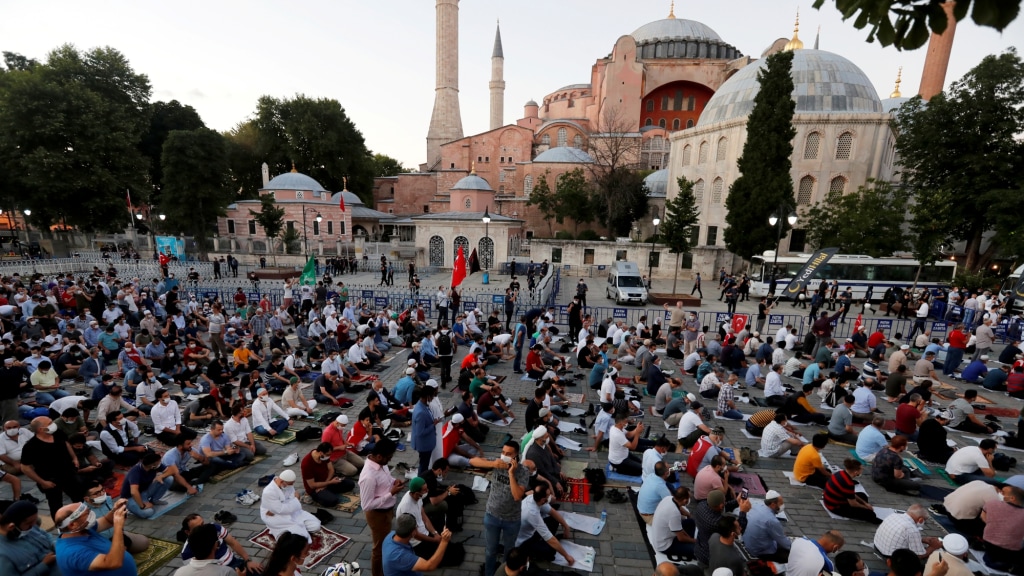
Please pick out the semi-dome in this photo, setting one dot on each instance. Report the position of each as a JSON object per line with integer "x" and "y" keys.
{"x": 823, "y": 83}
{"x": 472, "y": 182}
{"x": 892, "y": 104}
{"x": 657, "y": 183}
{"x": 674, "y": 29}
{"x": 564, "y": 155}
{"x": 293, "y": 181}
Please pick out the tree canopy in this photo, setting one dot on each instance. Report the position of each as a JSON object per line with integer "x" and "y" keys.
{"x": 681, "y": 215}
{"x": 907, "y": 24}
{"x": 962, "y": 159}
{"x": 195, "y": 164}
{"x": 869, "y": 221}
{"x": 765, "y": 184}
{"x": 165, "y": 117}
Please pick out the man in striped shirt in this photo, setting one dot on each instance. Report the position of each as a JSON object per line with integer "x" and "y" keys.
{"x": 841, "y": 496}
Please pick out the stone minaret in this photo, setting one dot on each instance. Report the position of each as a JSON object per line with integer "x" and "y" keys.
{"x": 497, "y": 83}
{"x": 936, "y": 63}
{"x": 445, "y": 121}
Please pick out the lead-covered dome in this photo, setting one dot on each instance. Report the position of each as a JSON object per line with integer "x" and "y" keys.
{"x": 674, "y": 29}
{"x": 293, "y": 181}
{"x": 823, "y": 83}
{"x": 472, "y": 182}
{"x": 657, "y": 183}
{"x": 564, "y": 155}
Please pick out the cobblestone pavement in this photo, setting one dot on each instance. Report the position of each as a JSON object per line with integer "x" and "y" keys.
{"x": 620, "y": 547}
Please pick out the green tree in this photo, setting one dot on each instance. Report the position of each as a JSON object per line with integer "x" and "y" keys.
{"x": 198, "y": 188}
{"x": 573, "y": 199}
{"x": 681, "y": 215}
{"x": 963, "y": 157}
{"x": 907, "y": 24}
{"x": 244, "y": 159}
{"x": 69, "y": 136}
{"x": 621, "y": 198}
{"x": 14, "y": 61}
{"x": 318, "y": 137}
{"x": 163, "y": 118}
{"x": 544, "y": 199}
{"x": 765, "y": 184}
{"x": 271, "y": 219}
{"x": 863, "y": 222}
{"x": 384, "y": 165}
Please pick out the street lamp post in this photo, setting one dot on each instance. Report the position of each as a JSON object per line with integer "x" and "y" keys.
{"x": 152, "y": 231}
{"x": 650, "y": 254}
{"x": 487, "y": 235}
{"x": 305, "y": 237}
{"x": 776, "y": 218}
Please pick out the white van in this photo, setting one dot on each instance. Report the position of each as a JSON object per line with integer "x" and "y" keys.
{"x": 625, "y": 284}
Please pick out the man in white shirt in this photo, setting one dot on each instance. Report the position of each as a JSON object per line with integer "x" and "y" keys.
{"x": 534, "y": 534}
{"x": 11, "y": 444}
{"x": 263, "y": 411}
{"x": 670, "y": 532}
{"x": 691, "y": 426}
{"x": 973, "y": 463}
{"x": 620, "y": 442}
{"x": 281, "y": 510}
{"x": 425, "y": 537}
{"x": 774, "y": 391}
{"x": 239, "y": 432}
{"x": 903, "y": 531}
{"x": 166, "y": 417}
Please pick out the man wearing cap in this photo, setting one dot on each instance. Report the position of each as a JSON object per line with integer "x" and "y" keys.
{"x": 82, "y": 550}
{"x": 425, "y": 538}
{"x": 547, "y": 465}
{"x": 281, "y": 510}
{"x": 319, "y": 479}
{"x": 764, "y": 536}
{"x": 26, "y": 549}
{"x": 399, "y": 556}
{"x": 975, "y": 370}
{"x": 898, "y": 357}
{"x": 343, "y": 456}
{"x": 405, "y": 387}
{"x": 458, "y": 447}
{"x": 955, "y": 558}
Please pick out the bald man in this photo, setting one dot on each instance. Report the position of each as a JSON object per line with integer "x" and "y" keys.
{"x": 49, "y": 461}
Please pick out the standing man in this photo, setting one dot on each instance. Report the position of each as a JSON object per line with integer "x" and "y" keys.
{"x": 424, "y": 435}
{"x": 763, "y": 309}
{"x": 504, "y": 511}
{"x": 442, "y": 305}
{"x": 48, "y": 460}
{"x": 581, "y": 292}
{"x": 696, "y": 286}
{"x": 445, "y": 344}
{"x": 676, "y": 315}
{"x": 377, "y": 490}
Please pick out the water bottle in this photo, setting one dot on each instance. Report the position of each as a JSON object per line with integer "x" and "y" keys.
{"x": 604, "y": 517}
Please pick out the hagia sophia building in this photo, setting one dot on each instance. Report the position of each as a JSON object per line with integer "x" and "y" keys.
{"x": 680, "y": 90}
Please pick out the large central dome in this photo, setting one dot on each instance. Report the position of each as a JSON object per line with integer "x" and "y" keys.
{"x": 674, "y": 29}
{"x": 823, "y": 83}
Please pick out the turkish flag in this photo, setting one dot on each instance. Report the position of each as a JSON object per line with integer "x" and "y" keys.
{"x": 856, "y": 325}
{"x": 459, "y": 268}
{"x": 739, "y": 321}
{"x": 341, "y": 201}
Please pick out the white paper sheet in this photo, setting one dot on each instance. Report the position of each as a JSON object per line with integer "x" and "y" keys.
{"x": 999, "y": 448}
{"x": 568, "y": 444}
{"x": 569, "y": 427}
{"x": 574, "y": 398}
{"x": 498, "y": 423}
{"x": 583, "y": 555}
{"x": 480, "y": 484}
{"x": 588, "y": 524}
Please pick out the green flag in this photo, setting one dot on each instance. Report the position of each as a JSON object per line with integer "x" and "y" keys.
{"x": 308, "y": 277}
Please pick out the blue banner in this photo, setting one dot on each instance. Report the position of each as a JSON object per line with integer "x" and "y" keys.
{"x": 496, "y": 299}
{"x": 254, "y": 296}
{"x": 379, "y": 302}
{"x": 367, "y": 294}
{"x": 884, "y": 325}
{"x": 722, "y": 317}
{"x": 425, "y": 302}
{"x": 171, "y": 246}
{"x": 619, "y": 312}
{"x": 468, "y": 305}
{"x": 776, "y": 320}
{"x": 210, "y": 295}
{"x": 939, "y": 327}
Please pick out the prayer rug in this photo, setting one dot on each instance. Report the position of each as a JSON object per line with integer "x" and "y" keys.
{"x": 225, "y": 474}
{"x": 286, "y": 437}
{"x": 160, "y": 552}
{"x": 324, "y": 544}
{"x": 1000, "y": 411}
{"x": 574, "y": 468}
{"x": 158, "y": 446}
{"x": 113, "y": 485}
{"x": 346, "y": 503}
{"x": 578, "y": 491}
{"x": 752, "y": 482}
{"x": 364, "y": 378}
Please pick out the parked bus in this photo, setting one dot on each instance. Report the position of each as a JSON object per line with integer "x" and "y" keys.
{"x": 854, "y": 270}
{"x": 1015, "y": 305}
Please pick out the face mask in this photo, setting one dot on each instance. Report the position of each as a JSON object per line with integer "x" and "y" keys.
{"x": 99, "y": 500}
{"x": 781, "y": 509}
{"x": 325, "y": 458}
{"x": 13, "y": 433}
{"x": 263, "y": 398}
{"x": 1000, "y": 495}
{"x": 506, "y": 459}
{"x": 69, "y": 421}
{"x": 533, "y": 473}
{"x": 165, "y": 400}
{"x": 51, "y": 428}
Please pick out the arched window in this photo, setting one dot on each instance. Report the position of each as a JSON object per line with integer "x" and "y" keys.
{"x": 689, "y": 123}
{"x": 657, "y": 142}
{"x": 436, "y": 251}
{"x": 698, "y": 191}
{"x": 527, "y": 185}
{"x": 468, "y": 203}
{"x": 485, "y": 250}
{"x": 702, "y": 154}
{"x": 843, "y": 146}
{"x": 563, "y": 136}
{"x": 716, "y": 191}
{"x": 811, "y": 146}
{"x": 675, "y": 124}
{"x": 463, "y": 242}
{"x": 686, "y": 155}
{"x": 649, "y": 122}
{"x": 546, "y": 140}
{"x": 577, "y": 141}
{"x": 661, "y": 123}
{"x": 806, "y": 190}
{"x": 837, "y": 186}
{"x": 723, "y": 145}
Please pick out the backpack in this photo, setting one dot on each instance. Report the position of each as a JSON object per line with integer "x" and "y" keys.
{"x": 309, "y": 433}
{"x": 328, "y": 418}
{"x": 444, "y": 344}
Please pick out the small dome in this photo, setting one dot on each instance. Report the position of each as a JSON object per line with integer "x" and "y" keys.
{"x": 890, "y": 105}
{"x": 351, "y": 199}
{"x": 657, "y": 183}
{"x": 674, "y": 29}
{"x": 293, "y": 181}
{"x": 530, "y": 103}
{"x": 472, "y": 182}
{"x": 823, "y": 83}
{"x": 564, "y": 155}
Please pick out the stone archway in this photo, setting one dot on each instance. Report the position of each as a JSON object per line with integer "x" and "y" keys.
{"x": 485, "y": 251}
{"x": 464, "y": 243}
{"x": 436, "y": 254}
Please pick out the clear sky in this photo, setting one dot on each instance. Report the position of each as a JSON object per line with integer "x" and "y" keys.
{"x": 376, "y": 57}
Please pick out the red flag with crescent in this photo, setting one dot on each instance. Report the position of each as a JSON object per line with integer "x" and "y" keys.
{"x": 857, "y": 324}
{"x": 459, "y": 268}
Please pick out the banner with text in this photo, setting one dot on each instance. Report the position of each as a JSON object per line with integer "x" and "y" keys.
{"x": 809, "y": 269}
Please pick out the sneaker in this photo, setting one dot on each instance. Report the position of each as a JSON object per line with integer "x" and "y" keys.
{"x": 225, "y": 517}
{"x": 400, "y": 447}
{"x": 159, "y": 502}
{"x": 291, "y": 459}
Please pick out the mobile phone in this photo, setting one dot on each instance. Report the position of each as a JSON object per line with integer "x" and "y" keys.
{"x": 743, "y": 493}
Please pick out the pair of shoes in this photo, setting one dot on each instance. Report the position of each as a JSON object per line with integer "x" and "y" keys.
{"x": 264, "y": 480}
{"x": 247, "y": 497}
{"x": 30, "y": 498}
{"x": 615, "y": 496}
{"x": 225, "y": 517}
{"x": 291, "y": 459}
{"x": 518, "y": 372}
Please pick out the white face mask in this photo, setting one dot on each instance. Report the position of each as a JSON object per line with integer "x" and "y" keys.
{"x": 51, "y": 428}
{"x": 781, "y": 509}
{"x": 191, "y": 366}
{"x": 1000, "y": 495}
{"x": 99, "y": 500}
{"x": 165, "y": 400}
{"x": 506, "y": 459}
{"x": 13, "y": 433}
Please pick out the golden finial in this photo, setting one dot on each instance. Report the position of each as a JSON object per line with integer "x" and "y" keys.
{"x": 896, "y": 90}
{"x": 293, "y": 167}
{"x": 344, "y": 183}
{"x": 472, "y": 167}
{"x": 672, "y": 10}
{"x": 795, "y": 43}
